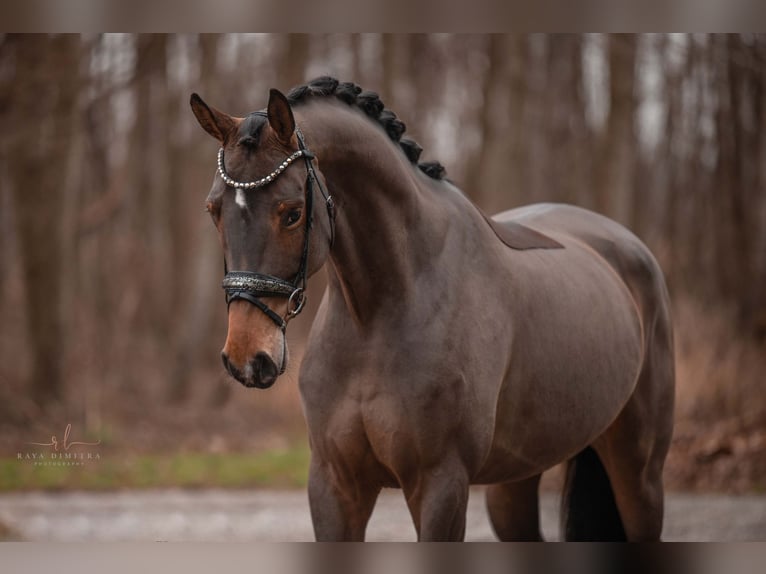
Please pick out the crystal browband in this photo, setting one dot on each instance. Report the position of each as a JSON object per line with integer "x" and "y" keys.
{"x": 264, "y": 180}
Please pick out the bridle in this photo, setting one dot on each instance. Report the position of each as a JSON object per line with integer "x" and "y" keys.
{"x": 251, "y": 286}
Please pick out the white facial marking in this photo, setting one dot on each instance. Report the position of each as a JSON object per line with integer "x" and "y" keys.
{"x": 240, "y": 198}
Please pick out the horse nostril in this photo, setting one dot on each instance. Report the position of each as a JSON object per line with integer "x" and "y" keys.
{"x": 265, "y": 370}
{"x": 261, "y": 372}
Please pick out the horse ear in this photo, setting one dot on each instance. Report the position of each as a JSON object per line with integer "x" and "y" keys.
{"x": 217, "y": 124}
{"x": 280, "y": 116}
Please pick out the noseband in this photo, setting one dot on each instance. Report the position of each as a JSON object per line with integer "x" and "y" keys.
{"x": 250, "y": 286}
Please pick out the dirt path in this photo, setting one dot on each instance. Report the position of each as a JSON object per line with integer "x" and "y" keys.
{"x": 217, "y": 515}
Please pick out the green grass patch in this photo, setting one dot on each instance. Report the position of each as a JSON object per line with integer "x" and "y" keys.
{"x": 285, "y": 468}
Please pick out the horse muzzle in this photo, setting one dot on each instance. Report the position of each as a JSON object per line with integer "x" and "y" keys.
{"x": 260, "y": 372}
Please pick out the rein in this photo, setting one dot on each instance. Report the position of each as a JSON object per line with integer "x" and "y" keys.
{"x": 251, "y": 286}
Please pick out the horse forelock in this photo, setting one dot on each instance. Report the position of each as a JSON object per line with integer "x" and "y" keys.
{"x": 371, "y": 105}
{"x": 250, "y": 129}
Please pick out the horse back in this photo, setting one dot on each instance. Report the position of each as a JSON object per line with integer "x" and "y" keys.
{"x": 625, "y": 253}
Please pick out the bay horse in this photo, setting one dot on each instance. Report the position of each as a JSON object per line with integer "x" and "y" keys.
{"x": 450, "y": 349}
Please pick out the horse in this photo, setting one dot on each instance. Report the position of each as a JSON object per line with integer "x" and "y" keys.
{"x": 450, "y": 349}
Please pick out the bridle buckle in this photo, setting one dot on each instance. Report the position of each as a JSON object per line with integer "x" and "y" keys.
{"x": 295, "y": 303}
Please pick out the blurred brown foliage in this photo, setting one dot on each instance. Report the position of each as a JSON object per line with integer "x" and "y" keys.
{"x": 109, "y": 294}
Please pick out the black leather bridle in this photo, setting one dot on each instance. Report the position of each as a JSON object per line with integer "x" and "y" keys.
{"x": 251, "y": 286}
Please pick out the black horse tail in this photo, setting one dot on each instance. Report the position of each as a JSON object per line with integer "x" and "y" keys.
{"x": 588, "y": 508}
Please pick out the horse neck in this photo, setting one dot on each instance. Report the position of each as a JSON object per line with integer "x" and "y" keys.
{"x": 386, "y": 226}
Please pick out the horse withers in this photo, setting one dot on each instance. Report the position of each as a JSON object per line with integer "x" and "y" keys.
{"x": 449, "y": 349}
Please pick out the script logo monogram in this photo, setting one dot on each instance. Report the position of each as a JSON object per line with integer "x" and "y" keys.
{"x": 66, "y": 443}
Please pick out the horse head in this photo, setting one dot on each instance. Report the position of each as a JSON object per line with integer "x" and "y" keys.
{"x": 273, "y": 237}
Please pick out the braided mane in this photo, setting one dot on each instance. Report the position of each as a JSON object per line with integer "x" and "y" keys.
{"x": 370, "y": 103}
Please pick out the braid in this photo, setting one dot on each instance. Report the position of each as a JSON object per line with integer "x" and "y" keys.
{"x": 369, "y": 103}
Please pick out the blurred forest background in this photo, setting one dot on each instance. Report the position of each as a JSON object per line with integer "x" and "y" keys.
{"x": 112, "y": 312}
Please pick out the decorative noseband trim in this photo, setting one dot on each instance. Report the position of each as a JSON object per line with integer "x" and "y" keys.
{"x": 264, "y": 180}
{"x": 257, "y": 284}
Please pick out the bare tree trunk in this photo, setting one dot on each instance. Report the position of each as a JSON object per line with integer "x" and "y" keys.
{"x": 98, "y": 204}
{"x": 732, "y": 243}
{"x": 646, "y": 175}
{"x": 695, "y": 209}
{"x": 388, "y": 61}
{"x": 672, "y": 132}
{"x": 742, "y": 155}
{"x": 294, "y": 61}
{"x": 517, "y": 103}
{"x": 567, "y": 131}
{"x": 7, "y": 231}
{"x": 487, "y": 178}
{"x": 43, "y": 100}
{"x": 206, "y": 266}
{"x": 757, "y": 310}
{"x": 616, "y": 175}
{"x": 357, "y": 66}
{"x": 147, "y": 216}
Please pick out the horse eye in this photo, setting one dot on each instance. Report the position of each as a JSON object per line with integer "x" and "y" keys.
{"x": 292, "y": 217}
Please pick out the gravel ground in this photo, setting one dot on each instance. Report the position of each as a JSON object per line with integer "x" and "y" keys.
{"x": 267, "y": 515}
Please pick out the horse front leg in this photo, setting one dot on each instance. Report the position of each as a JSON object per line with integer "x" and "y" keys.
{"x": 340, "y": 503}
{"x": 438, "y": 500}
